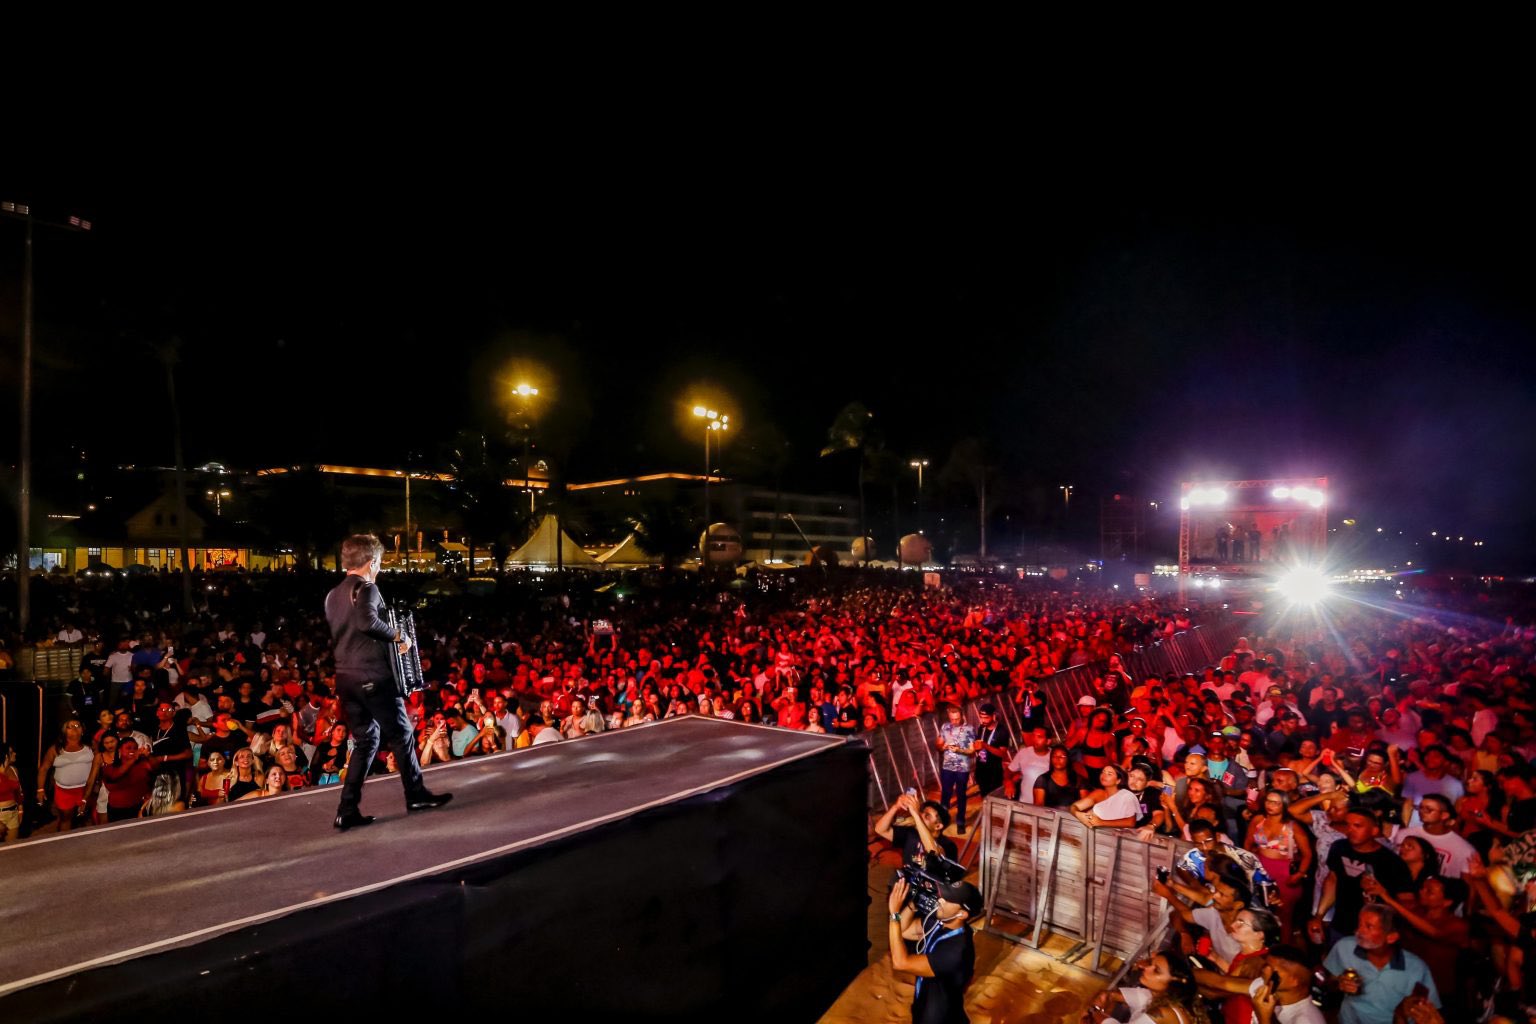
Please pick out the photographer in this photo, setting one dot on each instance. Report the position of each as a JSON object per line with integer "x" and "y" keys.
{"x": 923, "y": 836}
{"x": 945, "y": 958}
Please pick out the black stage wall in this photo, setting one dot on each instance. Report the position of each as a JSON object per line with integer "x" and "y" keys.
{"x": 744, "y": 903}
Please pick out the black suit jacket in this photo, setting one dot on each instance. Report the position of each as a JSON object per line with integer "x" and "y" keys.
{"x": 360, "y": 636}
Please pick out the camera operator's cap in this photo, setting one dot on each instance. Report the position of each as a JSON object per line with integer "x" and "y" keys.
{"x": 965, "y": 894}
{"x": 1087, "y": 701}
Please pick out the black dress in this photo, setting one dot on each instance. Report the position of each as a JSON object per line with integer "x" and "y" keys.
{"x": 1056, "y": 795}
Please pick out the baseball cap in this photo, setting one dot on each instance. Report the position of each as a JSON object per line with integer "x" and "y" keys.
{"x": 988, "y": 709}
{"x": 965, "y": 894}
{"x": 1231, "y": 731}
{"x": 1087, "y": 701}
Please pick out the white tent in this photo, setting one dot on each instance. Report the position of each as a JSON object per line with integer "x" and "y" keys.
{"x": 627, "y": 553}
{"x": 539, "y": 550}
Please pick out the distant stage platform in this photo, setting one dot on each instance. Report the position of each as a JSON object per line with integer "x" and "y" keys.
{"x": 691, "y": 868}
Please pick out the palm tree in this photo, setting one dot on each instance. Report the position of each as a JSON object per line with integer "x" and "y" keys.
{"x": 666, "y": 530}
{"x": 970, "y": 463}
{"x": 481, "y": 467}
{"x": 304, "y": 511}
{"x": 852, "y": 431}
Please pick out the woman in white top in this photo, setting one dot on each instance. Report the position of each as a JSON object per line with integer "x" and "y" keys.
{"x": 71, "y": 762}
{"x": 1112, "y": 805}
{"x": 1167, "y": 995}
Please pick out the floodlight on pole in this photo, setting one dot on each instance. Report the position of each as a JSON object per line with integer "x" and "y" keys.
{"x": 525, "y": 391}
{"x": 714, "y": 421}
{"x": 919, "y": 465}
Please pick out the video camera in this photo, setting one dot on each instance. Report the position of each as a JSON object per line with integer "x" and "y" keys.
{"x": 924, "y": 883}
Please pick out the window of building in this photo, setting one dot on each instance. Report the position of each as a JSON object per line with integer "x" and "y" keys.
{"x": 154, "y": 553}
{"x": 93, "y": 552}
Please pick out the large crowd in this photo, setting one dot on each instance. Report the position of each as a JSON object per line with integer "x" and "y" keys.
{"x": 1356, "y": 789}
{"x": 1357, "y": 792}
{"x": 236, "y": 702}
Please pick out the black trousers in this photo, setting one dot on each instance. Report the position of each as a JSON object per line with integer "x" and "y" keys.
{"x": 988, "y": 775}
{"x": 372, "y": 709}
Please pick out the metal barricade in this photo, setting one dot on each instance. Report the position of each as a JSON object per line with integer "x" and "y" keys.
{"x": 1046, "y": 876}
{"x": 902, "y": 755}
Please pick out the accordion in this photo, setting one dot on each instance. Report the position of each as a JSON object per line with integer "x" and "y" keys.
{"x": 407, "y": 665}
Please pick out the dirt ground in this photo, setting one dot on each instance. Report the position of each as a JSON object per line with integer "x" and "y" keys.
{"x": 1013, "y": 984}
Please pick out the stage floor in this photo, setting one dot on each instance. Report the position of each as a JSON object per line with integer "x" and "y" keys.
{"x": 98, "y": 896}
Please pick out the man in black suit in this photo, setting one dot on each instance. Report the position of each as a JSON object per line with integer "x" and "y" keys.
{"x": 370, "y": 693}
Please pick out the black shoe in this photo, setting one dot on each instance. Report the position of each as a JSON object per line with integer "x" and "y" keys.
{"x": 427, "y": 801}
{"x": 352, "y": 819}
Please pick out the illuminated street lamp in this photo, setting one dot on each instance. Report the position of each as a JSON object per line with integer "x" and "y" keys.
{"x": 527, "y": 392}
{"x": 218, "y": 500}
{"x": 919, "y": 465}
{"x": 714, "y": 422}
{"x": 1066, "y": 496}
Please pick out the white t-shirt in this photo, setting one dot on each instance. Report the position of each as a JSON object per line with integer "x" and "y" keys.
{"x": 1303, "y": 1012}
{"x": 1122, "y": 803}
{"x": 1137, "y": 999}
{"x": 120, "y": 666}
{"x": 1455, "y": 852}
{"x": 1030, "y": 766}
{"x": 1223, "y": 945}
{"x": 197, "y": 705}
{"x": 511, "y": 725}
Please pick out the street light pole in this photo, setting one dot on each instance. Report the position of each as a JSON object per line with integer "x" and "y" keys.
{"x": 527, "y": 392}
{"x": 1066, "y": 492}
{"x": 23, "y": 212}
{"x": 24, "y": 484}
{"x": 919, "y": 465}
{"x": 713, "y": 421}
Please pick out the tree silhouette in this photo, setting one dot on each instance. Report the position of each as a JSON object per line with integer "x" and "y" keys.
{"x": 666, "y": 530}
{"x": 852, "y": 431}
{"x": 970, "y": 464}
{"x": 481, "y": 466}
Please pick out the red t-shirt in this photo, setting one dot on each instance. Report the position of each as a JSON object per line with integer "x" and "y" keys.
{"x": 128, "y": 785}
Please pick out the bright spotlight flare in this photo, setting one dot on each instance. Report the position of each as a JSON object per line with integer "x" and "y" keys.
{"x": 1205, "y": 496}
{"x": 1304, "y": 586}
{"x": 1309, "y": 495}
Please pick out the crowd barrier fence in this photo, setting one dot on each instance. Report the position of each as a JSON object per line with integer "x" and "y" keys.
{"x": 1045, "y": 874}
{"x": 902, "y": 755}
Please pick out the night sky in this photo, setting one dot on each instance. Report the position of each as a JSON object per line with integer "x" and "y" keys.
{"x": 1224, "y": 317}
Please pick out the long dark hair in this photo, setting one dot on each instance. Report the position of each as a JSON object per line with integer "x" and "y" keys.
{"x": 1494, "y": 790}
{"x": 1183, "y": 993}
